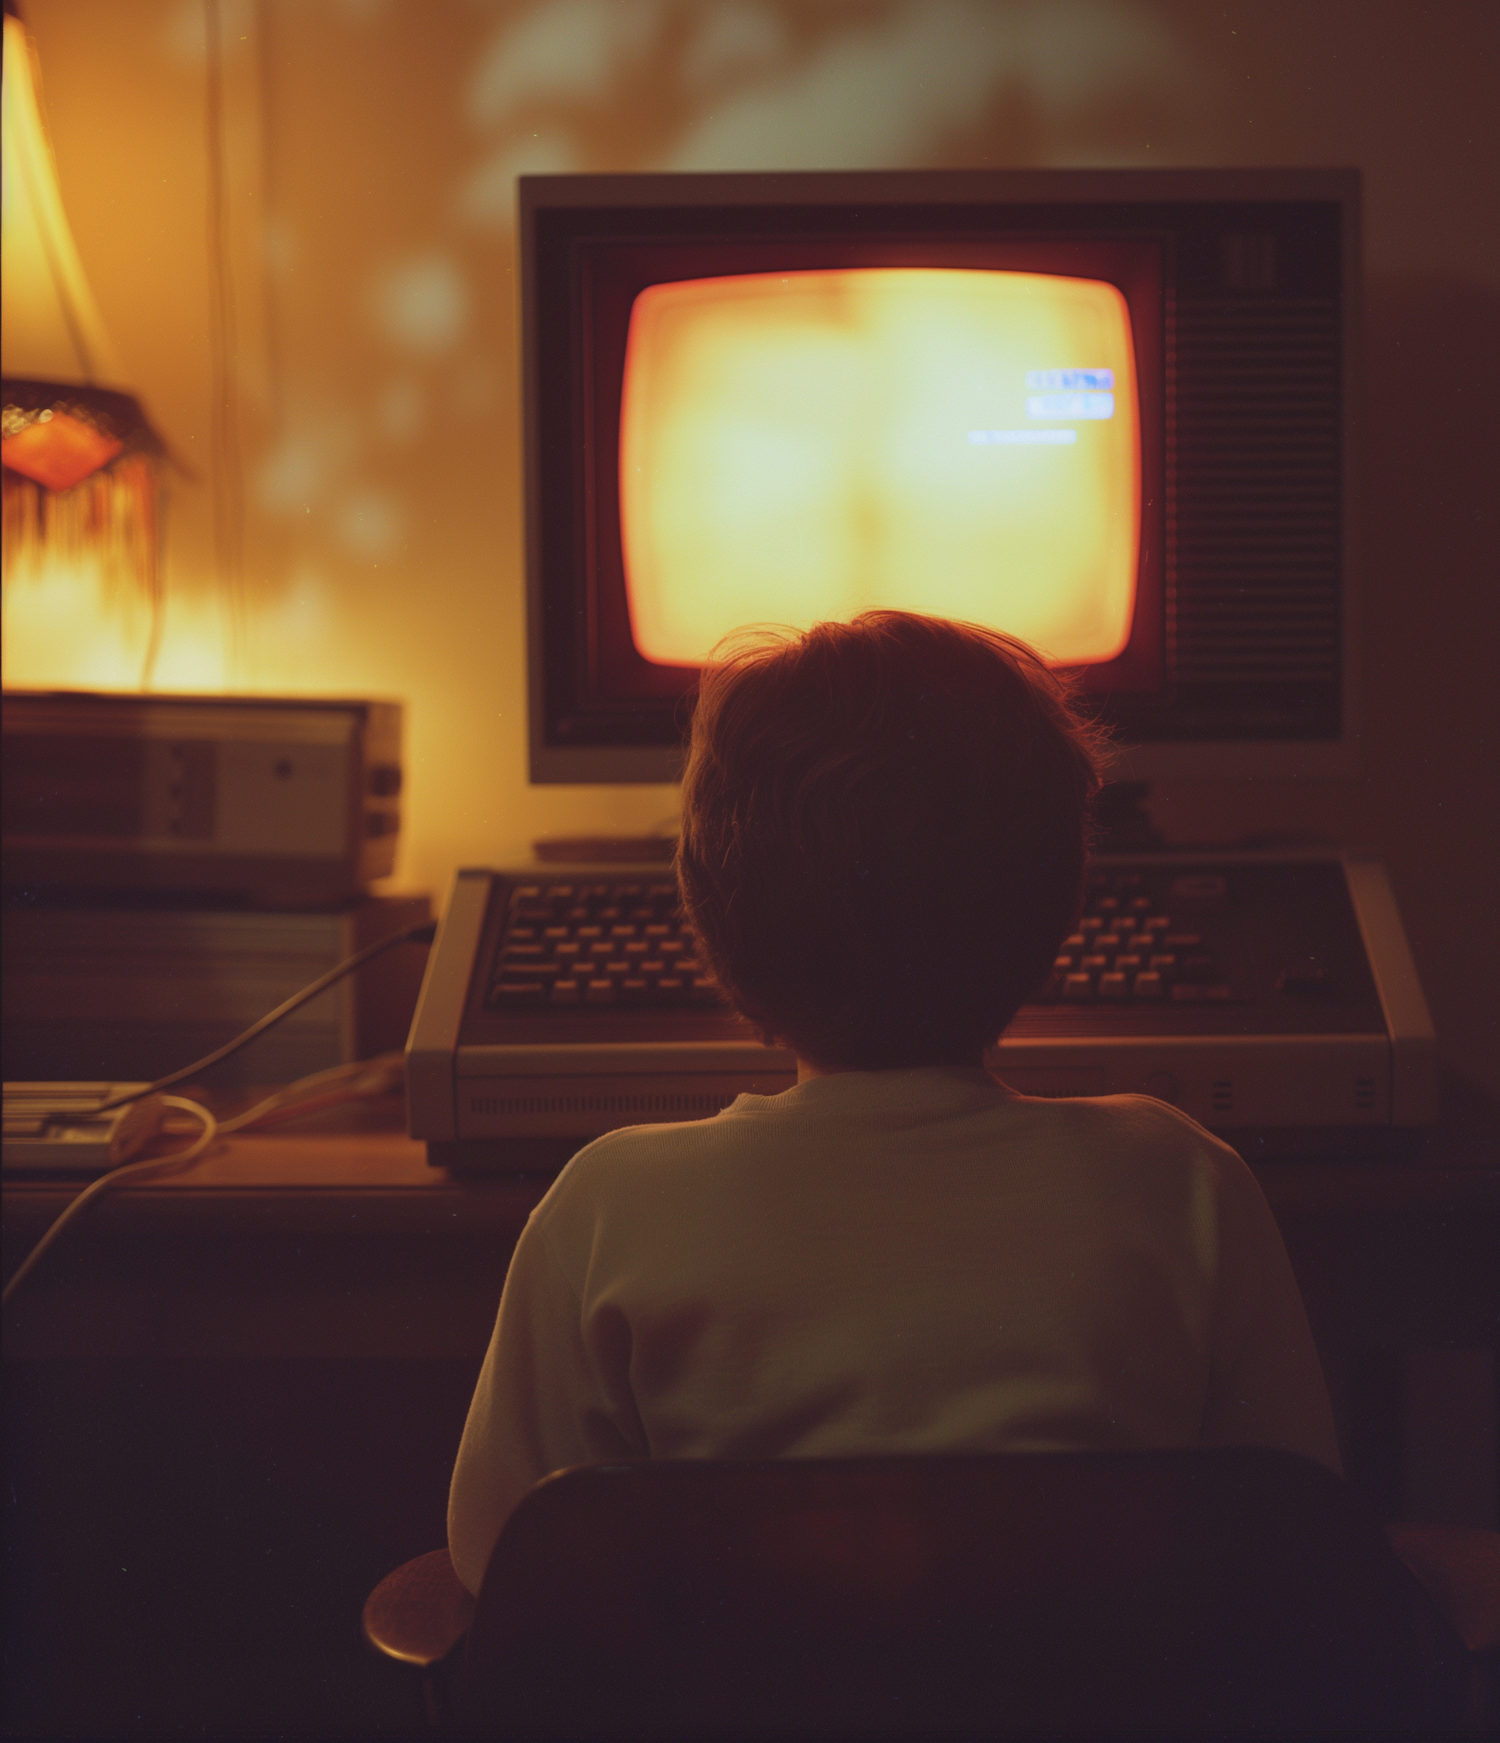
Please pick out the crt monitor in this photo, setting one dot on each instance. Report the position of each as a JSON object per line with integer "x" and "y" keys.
{"x": 1107, "y": 411}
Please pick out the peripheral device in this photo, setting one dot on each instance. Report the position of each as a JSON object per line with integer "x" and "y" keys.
{"x": 134, "y": 988}
{"x": 272, "y": 801}
{"x": 77, "y": 1128}
{"x": 1273, "y": 998}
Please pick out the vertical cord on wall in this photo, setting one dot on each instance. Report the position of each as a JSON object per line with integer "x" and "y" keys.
{"x": 226, "y": 476}
{"x": 271, "y": 214}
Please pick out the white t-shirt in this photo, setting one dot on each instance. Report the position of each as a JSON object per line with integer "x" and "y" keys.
{"x": 883, "y": 1262}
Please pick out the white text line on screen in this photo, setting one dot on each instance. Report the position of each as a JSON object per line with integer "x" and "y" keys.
{"x": 1022, "y": 438}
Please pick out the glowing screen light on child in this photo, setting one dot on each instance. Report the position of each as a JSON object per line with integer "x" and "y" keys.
{"x": 803, "y": 446}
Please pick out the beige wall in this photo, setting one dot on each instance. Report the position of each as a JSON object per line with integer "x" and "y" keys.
{"x": 370, "y": 149}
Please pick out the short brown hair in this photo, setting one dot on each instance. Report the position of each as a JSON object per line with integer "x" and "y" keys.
{"x": 885, "y": 825}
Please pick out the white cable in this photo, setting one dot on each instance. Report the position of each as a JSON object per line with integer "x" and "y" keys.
{"x": 365, "y": 1077}
{"x": 172, "y": 1164}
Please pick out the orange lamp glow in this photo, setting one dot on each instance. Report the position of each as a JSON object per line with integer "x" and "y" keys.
{"x": 804, "y": 446}
{"x": 79, "y": 461}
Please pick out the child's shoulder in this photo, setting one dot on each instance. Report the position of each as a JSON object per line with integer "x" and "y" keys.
{"x": 1131, "y": 1125}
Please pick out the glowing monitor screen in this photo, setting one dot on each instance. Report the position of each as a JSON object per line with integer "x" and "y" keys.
{"x": 807, "y": 445}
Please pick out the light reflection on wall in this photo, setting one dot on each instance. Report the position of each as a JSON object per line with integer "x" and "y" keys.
{"x": 69, "y": 626}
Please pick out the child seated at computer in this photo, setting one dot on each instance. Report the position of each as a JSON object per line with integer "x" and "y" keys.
{"x": 883, "y": 844}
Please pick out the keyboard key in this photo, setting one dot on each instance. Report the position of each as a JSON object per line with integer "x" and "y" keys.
{"x": 1106, "y": 941}
{"x": 1196, "y": 993}
{"x": 1164, "y": 964}
{"x": 1078, "y": 988}
{"x": 1149, "y": 985}
{"x": 565, "y": 992}
{"x": 1129, "y": 963}
{"x": 599, "y": 992}
{"x": 1062, "y": 965}
{"x": 1206, "y": 886}
{"x": 670, "y": 987}
{"x": 1113, "y": 986}
{"x": 1140, "y": 905}
{"x": 517, "y": 995}
{"x": 1075, "y": 941}
{"x": 1089, "y": 964}
{"x": 1182, "y": 941}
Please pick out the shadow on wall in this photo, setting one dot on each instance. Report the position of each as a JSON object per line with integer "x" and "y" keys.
{"x": 1432, "y": 457}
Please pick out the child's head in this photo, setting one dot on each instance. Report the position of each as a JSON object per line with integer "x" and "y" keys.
{"x": 884, "y": 831}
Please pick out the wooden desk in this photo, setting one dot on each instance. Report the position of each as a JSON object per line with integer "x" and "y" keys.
{"x": 346, "y": 1244}
{"x": 337, "y": 1245}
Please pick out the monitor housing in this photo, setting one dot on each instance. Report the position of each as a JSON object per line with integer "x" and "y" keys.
{"x": 1242, "y": 293}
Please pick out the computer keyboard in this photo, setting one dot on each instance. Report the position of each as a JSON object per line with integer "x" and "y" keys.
{"x": 1149, "y": 939}
{"x": 624, "y": 945}
{"x": 610, "y": 944}
{"x": 1258, "y": 992}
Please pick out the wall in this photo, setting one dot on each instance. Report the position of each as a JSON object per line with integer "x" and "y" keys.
{"x": 355, "y": 526}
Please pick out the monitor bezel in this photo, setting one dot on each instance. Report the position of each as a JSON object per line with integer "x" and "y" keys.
{"x": 1216, "y": 759}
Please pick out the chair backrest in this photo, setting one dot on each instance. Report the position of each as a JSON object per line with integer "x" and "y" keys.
{"x": 917, "y": 1596}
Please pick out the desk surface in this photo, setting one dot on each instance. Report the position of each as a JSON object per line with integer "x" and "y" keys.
{"x": 347, "y": 1243}
{"x": 1446, "y": 1165}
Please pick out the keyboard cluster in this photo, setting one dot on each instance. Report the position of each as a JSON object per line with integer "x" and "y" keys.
{"x": 627, "y": 945}
{"x": 605, "y": 944}
{"x": 1129, "y": 950}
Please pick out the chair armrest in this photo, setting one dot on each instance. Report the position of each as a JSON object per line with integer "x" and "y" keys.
{"x": 419, "y": 1613}
{"x": 1460, "y": 1567}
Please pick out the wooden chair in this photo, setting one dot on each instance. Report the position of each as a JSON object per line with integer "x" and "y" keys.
{"x": 911, "y": 1597}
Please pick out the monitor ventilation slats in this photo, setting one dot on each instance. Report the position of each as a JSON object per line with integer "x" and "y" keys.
{"x": 1257, "y": 522}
